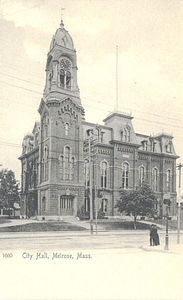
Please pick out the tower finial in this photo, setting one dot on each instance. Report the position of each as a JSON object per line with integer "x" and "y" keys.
{"x": 62, "y": 23}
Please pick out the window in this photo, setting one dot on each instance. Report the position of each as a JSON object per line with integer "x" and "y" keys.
{"x": 98, "y": 134}
{"x": 65, "y": 74}
{"x": 126, "y": 135}
{"x": 66, "y": 128}
{"x": 49, "y": 82}
{"x": 66, "y": 164}
{"x": 168, "y": 180}
{"x": 61, "y": 165}
{"x": 155, "y": 179}
{"x": 62, "y": 75}
{"x": 44, "y": 204}
{"x": 125, "y": 175}
{"x": 104, "y": 205}
{"x": 169, "y": 147}
{"x": 141, "y": 174}
{"x": 104, "y": 174}
{"x": 87, "y": 173}
{"x": 68, "y": 80}
{"x": 44, "y": 166}
{"x": 66, "y": 202}
{"x": 72, "y": 168}
{"x": 152, "y": 145}
{"x": 87, "y": 204}
{"x": 67, "y": 158}
{"x": 43, "y": 169}
{"x": 144, "y": 145}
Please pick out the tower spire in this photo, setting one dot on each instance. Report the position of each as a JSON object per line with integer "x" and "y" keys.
{"x": 62, "y": 23}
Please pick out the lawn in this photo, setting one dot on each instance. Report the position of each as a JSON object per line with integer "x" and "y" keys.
{"x": 45, "y": 226}
{"x": 3, "y": 220}
{"x": 122, "y": 225}
{"x": 172, "y": 224}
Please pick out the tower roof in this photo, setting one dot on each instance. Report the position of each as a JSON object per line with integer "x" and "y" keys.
{"x": 62, "y": 38}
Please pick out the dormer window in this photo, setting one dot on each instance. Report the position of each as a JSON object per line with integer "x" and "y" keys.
{"x": 152, "y": 144}
{"x": 126, "y": 134}
{"x": 169, "y": 147}
{"x": 144, "y": 145}
{"x": 65, "y": 74}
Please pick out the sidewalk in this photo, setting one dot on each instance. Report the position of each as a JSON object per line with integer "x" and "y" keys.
{"x": 173, "y": 247}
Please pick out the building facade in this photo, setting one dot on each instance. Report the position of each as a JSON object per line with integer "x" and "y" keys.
{"x": 65, "y": 157}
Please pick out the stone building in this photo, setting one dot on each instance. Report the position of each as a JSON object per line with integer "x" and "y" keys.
{"x": 63, "y": 149}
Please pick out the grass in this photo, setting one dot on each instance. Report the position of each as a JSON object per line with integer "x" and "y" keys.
{"x": 172, "y": 224}
{"x": 3, "y": 220}
{"x": 122, "y": 225}
{"x": 45, "y": 226}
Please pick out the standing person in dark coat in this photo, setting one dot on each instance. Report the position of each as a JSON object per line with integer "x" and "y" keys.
{"x": 151, "y": 235}
{"x": 154, "y": 237}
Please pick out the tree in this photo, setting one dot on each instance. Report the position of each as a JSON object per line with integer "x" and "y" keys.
{"x": 138, "y": 202}
{"x": 8, "y": 189}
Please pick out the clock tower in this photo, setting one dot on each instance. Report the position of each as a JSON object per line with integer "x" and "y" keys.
{"x": 61, "y": 182}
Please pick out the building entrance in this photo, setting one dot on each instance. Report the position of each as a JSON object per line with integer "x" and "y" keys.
{"x": 66, "y": 205}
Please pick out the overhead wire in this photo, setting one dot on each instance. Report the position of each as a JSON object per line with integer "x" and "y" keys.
{"x": 96, "y": 101}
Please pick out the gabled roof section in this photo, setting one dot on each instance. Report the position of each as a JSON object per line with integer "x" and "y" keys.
{"x": 41, "y": 106}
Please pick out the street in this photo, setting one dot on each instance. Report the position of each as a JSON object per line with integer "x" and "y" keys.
{"x": 120, "y": 265}
{"x": 50, "y": 241}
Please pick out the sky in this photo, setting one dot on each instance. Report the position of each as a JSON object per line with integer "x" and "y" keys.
{"x": 150, "y": 64}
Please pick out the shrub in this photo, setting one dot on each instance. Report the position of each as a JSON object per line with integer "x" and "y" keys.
{"x": 101, "y": 214}
{"x": 82, "y": 214}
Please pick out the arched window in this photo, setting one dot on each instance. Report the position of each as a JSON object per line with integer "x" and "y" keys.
{"x": 49, "y": 81}
{"x": 125, "y": 175}
{"x": 62, "y": 77}
{"x": 45, "y": 164}
{"x": 68, "y": 80}
{"x": 66, "y": 128}
{"x": 141, "y": 174}
{"x": 98, "y": 135}
{"x": 61, "y": 165}
{"x": 103, "y": 174}
{"x": 67, "y": 161}
{"x": 72, "y": 168}
{"x": 169, "y": 147}
{"x": 155, "y": 179}
{"x": 43, "y": 169}
{"x": 128, "y": 135}
{"x": 125, "y": 135}
{"x": 168, "y": 180}
{"x": 44, "y": 204}
{"x": 65, "y": 74}
{"x": 87, "y": 173}
{"x": 104, "y": 205}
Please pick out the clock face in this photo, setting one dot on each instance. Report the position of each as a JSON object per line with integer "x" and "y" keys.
{"x": 65, "y": 64}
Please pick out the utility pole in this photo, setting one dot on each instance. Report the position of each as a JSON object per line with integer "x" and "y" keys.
{"x": 167, "y": 201}
{"x": 179, "y": 200}
{"x": 96, "y": 198}
{"x": 91, "y": 200}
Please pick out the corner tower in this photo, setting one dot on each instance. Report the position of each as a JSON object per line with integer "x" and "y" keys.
{"x": 61, "y": 182}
